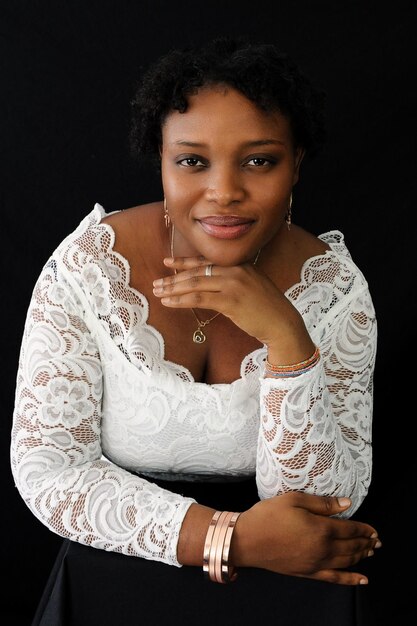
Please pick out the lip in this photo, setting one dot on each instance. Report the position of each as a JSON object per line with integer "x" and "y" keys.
{"x": 225, "y": 226}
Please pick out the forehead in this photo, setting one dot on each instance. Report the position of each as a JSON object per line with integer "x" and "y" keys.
{"x": 221, "y": 112}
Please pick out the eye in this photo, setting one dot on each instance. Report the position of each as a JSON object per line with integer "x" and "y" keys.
{"x": 190, "y": 162}
{"x": 260, "y": 162}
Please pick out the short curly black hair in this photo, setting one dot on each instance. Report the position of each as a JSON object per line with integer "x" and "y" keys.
{"x": 260, "y": 72}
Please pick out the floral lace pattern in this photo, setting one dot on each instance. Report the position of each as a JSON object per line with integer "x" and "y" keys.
{"x": 97, "y": 403}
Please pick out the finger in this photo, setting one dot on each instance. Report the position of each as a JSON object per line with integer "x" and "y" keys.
{"x": 187, "y": 275}
{"x": 321, "y": 505}
{"x": 343, "y": 562}
{"x": 191, "y": 285}
{"x": 347, "y": 560}
{"x": 184, "y": 263}
{"x": 340, "y": 577}
{"x": 350, "y": 529}
{"x": 359, "y": 548}
{"x": 329, "y": 506}
{"x": 210, "y": 301}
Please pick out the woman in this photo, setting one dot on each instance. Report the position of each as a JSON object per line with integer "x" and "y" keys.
{"x": 201, "y": 353}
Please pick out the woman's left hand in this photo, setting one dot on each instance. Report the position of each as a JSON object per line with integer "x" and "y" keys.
{"x": 242, "y": 293}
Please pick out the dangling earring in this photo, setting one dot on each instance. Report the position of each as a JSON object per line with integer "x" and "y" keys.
{"x": 166, "y": 214}
{"x": 289, "y": 213}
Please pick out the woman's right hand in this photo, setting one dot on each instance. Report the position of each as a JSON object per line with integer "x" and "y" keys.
{"x": 295, "y": 534}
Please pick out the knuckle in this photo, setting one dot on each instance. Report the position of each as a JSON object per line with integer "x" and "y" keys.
{"x": 167, "y": 284}
{"x": 194, "y": 280}
{"x": 333, "y": 576}
{"x": 293, "y": 498}
{"x": 348, "y": 560}
{"x": 328, "y": 503}
{"x": 323, "y": 540}
{"x": 363, "y": 545}
{"x": 197, "y": 299}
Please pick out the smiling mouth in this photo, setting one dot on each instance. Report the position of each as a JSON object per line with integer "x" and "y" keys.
{"x": 225, "y": 226}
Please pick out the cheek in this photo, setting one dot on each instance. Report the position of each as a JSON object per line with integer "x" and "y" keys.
{"x": 180, "y": 197}
{"x": 173, "y": 181}
{"x": 273, "y": 192}
{"x": 176, "y": 192}
{"x": 272, "y": 199}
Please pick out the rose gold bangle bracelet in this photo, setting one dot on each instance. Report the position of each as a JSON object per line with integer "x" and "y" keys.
{"x": 217, "y": 547}
{"x": 208, "y": 542}
{"x": 228, "y": 572}
{"x": 216, "y": 551}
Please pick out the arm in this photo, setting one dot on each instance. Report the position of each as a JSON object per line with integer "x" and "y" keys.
{"x": 314, "y": 438}
{"x": 315, "y": 433}
{"x": 315, "y": 429}
{"x": 294, "y": 533}
{"x": 56, "y": 455}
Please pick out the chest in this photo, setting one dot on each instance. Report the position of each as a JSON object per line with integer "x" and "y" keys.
{"x": 217, "y": 357}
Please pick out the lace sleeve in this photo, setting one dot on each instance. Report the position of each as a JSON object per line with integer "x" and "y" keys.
{"x": 56, "y": 456}
{"x": 315, "y": 433}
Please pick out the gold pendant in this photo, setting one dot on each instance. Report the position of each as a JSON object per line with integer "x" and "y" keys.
{"x": 199, "y": 336}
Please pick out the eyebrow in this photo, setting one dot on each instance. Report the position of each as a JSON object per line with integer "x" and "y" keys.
{"x": 248, "y": 144}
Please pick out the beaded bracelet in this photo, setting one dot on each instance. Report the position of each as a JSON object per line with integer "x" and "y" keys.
{"x": 290, "y": 371}
{"x": 217, "y": 547}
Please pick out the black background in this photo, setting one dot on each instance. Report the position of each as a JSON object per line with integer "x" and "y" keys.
{"x": 68, "y": 70}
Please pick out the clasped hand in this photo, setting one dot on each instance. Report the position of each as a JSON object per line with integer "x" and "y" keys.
{"x": 297, "y": 534}
{"x": 242, "y": 293}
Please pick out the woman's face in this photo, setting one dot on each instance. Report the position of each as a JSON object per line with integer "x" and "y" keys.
{"x": 228, "y": 169}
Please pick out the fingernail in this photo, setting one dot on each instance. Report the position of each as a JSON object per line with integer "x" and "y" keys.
{"x": 374, "y": 536}
{"x": 343, "y": 502}
{"x": 363, "y": 581}
{"x": 378, "y": 544}
{"x": 158, "y": 282}
{"x": 168, "y": 261}
{"x": 370, "y": 553}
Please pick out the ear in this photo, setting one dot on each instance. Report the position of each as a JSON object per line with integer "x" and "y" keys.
{"x": 299, "y": 155}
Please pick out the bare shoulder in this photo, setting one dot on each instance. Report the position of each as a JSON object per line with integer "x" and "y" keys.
{"x": 132, "y": 216}
{"x": 297, "y": 246}
{"x": 305, "y": 244}
{"x": 135, "y": 227}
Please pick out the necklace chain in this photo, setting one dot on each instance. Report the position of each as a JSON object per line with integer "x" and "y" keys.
{"x": 202, "y": 323}
{"x": 199, "y": 336}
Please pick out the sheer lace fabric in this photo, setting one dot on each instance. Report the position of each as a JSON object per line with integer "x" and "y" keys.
{"x": 97, "y": 403}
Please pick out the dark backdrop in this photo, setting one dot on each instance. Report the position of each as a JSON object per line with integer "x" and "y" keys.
{"x": 67, "y": 75}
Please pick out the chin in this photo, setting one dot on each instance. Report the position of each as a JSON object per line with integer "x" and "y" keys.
{"x": 228, "y": 260}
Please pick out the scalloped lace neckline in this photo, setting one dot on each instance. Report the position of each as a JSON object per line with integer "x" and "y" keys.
{"x": 101, "y": 213}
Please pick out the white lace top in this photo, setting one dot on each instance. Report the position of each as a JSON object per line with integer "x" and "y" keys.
{"x": 97, "y": 403}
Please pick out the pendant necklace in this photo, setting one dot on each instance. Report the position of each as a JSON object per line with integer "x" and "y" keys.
{"x": 198, "y": 335}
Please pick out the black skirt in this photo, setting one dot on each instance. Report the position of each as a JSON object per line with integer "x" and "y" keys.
{"x": 89, "y": 587}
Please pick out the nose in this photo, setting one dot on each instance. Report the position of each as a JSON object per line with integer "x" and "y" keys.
{"x": 224, "y": 186}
